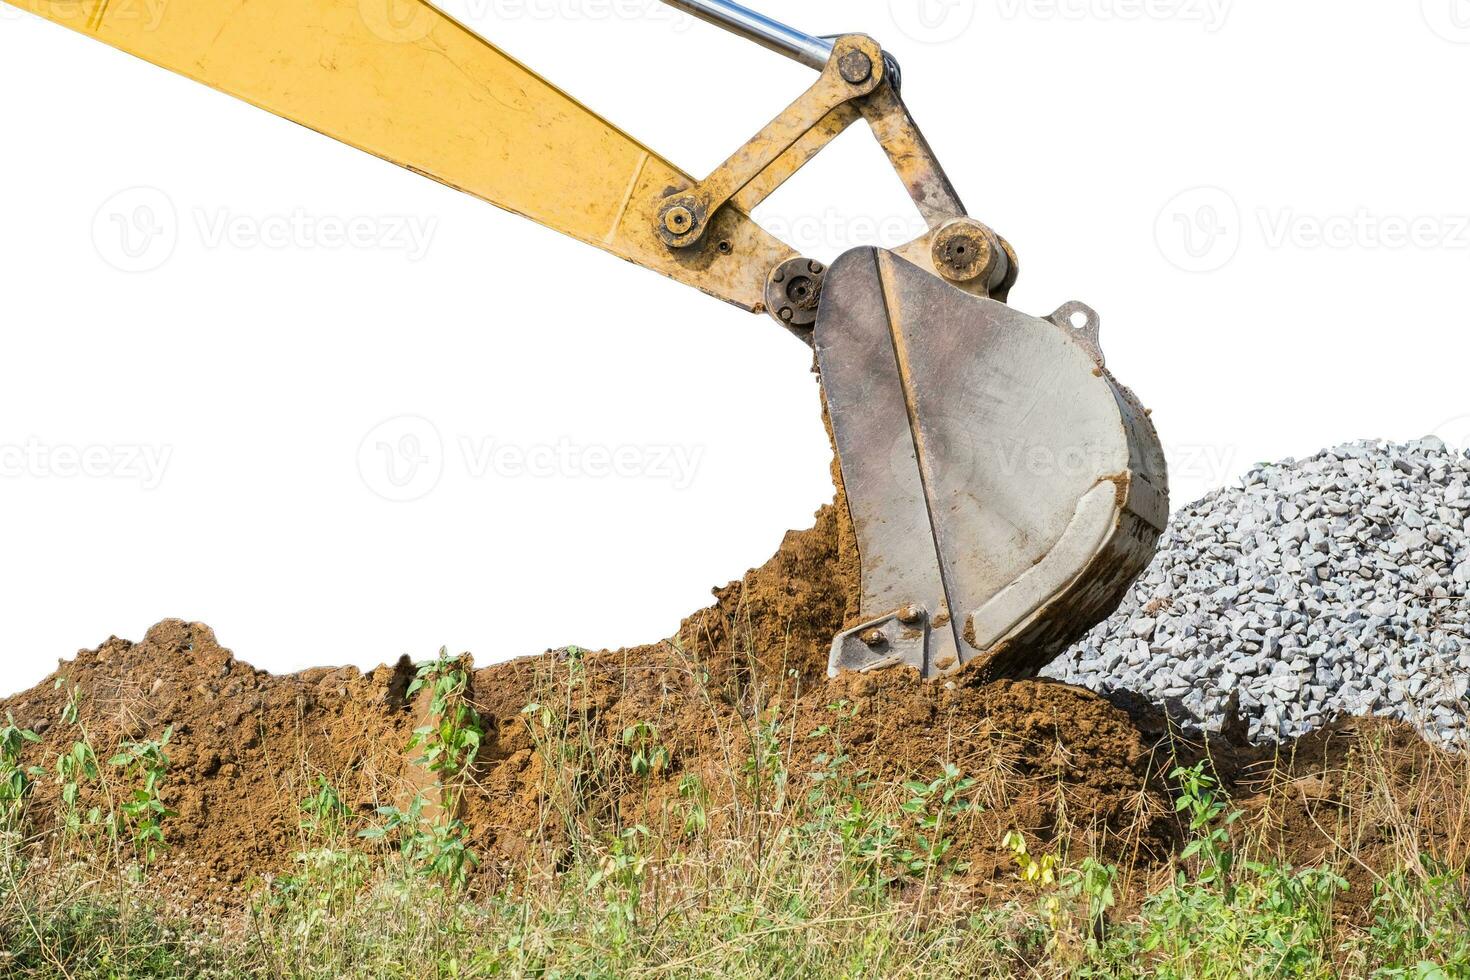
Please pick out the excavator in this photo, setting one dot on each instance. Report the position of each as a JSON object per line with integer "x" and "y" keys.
{"x": 1004, "y": 489}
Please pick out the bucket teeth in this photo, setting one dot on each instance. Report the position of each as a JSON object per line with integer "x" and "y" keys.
{"x": 995, "y": 471}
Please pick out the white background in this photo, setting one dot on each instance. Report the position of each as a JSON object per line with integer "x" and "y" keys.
{"x": 1229, "y": 183}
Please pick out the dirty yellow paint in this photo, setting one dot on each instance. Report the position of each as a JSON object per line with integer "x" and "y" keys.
{"x": 402, "y": 80}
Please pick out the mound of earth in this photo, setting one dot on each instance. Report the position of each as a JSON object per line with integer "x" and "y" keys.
{"x": 745, "y": 675}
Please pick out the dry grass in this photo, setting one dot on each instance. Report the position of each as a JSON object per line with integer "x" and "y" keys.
{"x": 1355, "y": 868}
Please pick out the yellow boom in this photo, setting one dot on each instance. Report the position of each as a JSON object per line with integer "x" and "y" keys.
{"x": 406, "y": 82}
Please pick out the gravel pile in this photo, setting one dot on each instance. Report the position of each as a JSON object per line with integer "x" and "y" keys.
{"x": 1329, "y": 586}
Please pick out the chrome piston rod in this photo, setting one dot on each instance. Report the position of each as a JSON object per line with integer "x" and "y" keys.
{"x": 813, "y": 52}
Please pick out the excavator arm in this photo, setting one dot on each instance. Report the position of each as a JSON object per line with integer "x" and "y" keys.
{"x": 1004, "y": 489}
{"x": 404, "y": 81}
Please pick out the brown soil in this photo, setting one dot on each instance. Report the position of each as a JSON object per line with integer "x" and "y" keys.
{"x": 1058, "y": 762}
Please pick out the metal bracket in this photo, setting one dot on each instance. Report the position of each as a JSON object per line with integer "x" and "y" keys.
{"x": 858, "y": 81}
{"x": 1085, "y": 325}
{"x": 855, "y": 69}
{"x": 900, "y": 639}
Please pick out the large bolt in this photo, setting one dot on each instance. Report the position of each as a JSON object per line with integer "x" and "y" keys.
{"x": 912, "y": 615}
{"x": 873, "y": 637}
{"x": 855, "y": 67}
{"x": 963, "y": 251}
{"x": 678, "y": 219}
{"x": 794, "y": 291}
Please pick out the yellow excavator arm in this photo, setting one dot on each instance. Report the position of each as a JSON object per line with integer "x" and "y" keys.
{"x": 406, "y": 82}
{"x": 1004, "y": 489}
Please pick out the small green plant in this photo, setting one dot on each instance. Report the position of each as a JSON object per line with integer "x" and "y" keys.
{"x": 76, "y": 767}
{"x": 646, "y": 756}
{"x": 1094, "y": 883}
{"x": 694, "y": 805}
{"x": 932, "y": 807}
{"x": 765, "y": 766}
{"x": 15, "y": 778}
{"x": 1040, "y": 872}
{"x": 144, "y": 766}
{"x": 435, "y": 841}
{"x": 451, "y": 741}
{"x": 1209, "y": 824}
{"x": 836, "y": 804}
{"x": 1421, "y": 923}
{"x": 619, "y": 878}
{"x": 324, "y": 815}
{"x": 436, "y": 847}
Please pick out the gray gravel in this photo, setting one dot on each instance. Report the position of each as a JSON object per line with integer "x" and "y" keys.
{"x": 1329, "y": 586}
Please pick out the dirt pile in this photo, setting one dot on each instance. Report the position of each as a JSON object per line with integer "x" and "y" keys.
{"x": 742, "y": 679}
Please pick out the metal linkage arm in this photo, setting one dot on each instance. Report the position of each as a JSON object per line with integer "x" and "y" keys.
{"x": 857, "y": 81}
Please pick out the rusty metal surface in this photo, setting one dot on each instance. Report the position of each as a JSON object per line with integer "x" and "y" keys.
{"x": 912, "y": 157}
{"x": 794, "y": 292}
{"x": 859, "y": 81}
{"x": 830, "y": 92}
{"x": 879, "y": 461}
{"x": 986, "y": 453}
{"x": 787, "y": 164}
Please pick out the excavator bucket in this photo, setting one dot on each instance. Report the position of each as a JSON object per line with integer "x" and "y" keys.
{"x": 1004, "y": 490}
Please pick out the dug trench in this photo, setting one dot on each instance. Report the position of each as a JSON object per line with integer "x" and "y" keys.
{"x": 743, "y": 680}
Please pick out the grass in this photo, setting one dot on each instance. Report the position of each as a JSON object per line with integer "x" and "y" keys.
{"x": 826, "y": 875}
